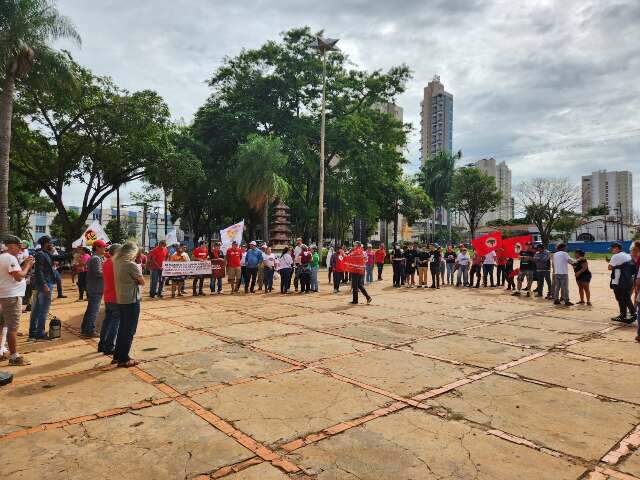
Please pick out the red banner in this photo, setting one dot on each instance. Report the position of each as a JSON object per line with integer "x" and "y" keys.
{"x": 354, "y": 262}
{"x": 514, "y": 245}
{"x": 486, "y": 243}
{"x": 217, "y": 267}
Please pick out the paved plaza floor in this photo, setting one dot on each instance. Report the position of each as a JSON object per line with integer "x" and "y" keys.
{"x": 422, "y": 384}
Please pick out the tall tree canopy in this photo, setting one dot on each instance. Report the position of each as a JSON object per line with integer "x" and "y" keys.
{"x": 275, "y": 90}
{"x": 26, "y": 29}
{"x": 83, "y": 130}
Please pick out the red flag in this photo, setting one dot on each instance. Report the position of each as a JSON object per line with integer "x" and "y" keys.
{"x": 487, "y": 243}
{"x": 514, "y": 245}
{"x": 354, "y": 262}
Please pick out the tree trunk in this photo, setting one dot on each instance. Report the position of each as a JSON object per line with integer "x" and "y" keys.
{"x": 395, "y": 223}
{"x": 6, "y": 114}
{"x": 265, "y": 222}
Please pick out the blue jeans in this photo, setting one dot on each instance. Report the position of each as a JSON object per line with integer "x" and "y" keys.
{"x": 285, "y": 279}
{"x": 463, "y": 275}
{"x": 40, "y": 312}
{"x": 380, "y": 267}
{"x": 109, "y": 331}
{"x": 58, "y": 282}
{"x": 369, "y": 276}
{"x": 314, "y": 278}
{"x": 267, "y": 275}
{"x": 129, "y": 314}
{"x": 213, "y": 282}
{"x": 157, "y": 283}
{"x": 88, "y": 325}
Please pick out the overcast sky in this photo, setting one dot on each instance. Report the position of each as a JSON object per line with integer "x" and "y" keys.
{"x": 551, "y": 87}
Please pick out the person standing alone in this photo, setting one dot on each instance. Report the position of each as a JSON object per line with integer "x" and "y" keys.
{"x": 356, "y": 260}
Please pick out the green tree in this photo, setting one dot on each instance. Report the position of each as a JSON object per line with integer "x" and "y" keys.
{"x": 473, "y": 193}
{"x": 275, "y": 90}
{"x": 567, "y": 224}
{"x": 24, "y": 201}
{"x": 26, "y": 29}
{"x": 58, "y": 230}
{"x": 436, "y": 177}
{"x": 599, "y": 211}
{"x": 546, "y": 200}
{"x": 260, "y": 167}
{"x": 87, "y": 132}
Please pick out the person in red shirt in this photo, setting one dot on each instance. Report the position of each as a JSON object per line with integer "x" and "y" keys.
{"x": 155, "y": 261}
{"x": 305, "y": 269}
{"x": 234, "y": 259}
{"x": 200, "y": 254}
{"x": 356, "y": 261}
{"x": 111, "y": 322}
{"x": 380, "y": 256}
{"x": 337, "y": 261}
{"x": 501, "y": 262}
{"x": 216, "y": 278}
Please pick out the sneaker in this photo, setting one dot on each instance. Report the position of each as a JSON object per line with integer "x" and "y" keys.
{"x": 528, "y": 294}
{"x": 62, "y": 296}
{"x": 19, "y": 362}
{"x": 588, "y": 304}
{"x": 369, "y": 300}
{"x": 556, "y": 302}
{"x": 568, "y": 304}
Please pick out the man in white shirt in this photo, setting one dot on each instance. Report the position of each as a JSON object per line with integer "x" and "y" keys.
{"x": 561, "y": 261}
{"x": 621, "y": 267}
{"x": 488, "y": 264}
{"x": 12, "y": 289}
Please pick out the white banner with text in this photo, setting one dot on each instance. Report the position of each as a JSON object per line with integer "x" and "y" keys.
{"x": 181, "y": 269}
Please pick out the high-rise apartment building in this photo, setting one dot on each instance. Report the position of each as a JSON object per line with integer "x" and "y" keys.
{"x": 613, "y": 190}
{"x": 502, "y": 175}
{"x": 436, "y": 120}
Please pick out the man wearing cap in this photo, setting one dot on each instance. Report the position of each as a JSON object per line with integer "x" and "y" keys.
{"x": 95, "y": 289}
{"x": 527, "y": 269}
{"x": 12, "y": 289}
{"x": 252, "y": 262}
{"x": 44, "y": 279}
{"x": 622, "y": 270}
{"x": 542, "y": 259}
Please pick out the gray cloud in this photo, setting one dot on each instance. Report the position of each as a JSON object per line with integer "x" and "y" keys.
{"x": 553, "y": 77}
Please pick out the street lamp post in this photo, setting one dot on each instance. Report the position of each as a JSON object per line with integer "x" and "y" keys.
{"x": 323, "y": 45}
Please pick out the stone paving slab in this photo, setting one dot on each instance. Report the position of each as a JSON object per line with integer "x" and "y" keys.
{"x": 380, "y": 369}
{"x": 70, "y": 396}
{"x": 626, "y": 333}
{"x": 627, "y": 352}
{"x": 324, "y": 320}
{"x": 163, "y": 442}
{"x": 147, "y": 328}
{"x": 565, "y": 421}
{"x": 253, "y": 331}
{"x": 223, "y": 364}
{"x": 312, "y": 346}
{"x": 604, "y": 378}
{"x": 413, "y": 445}
{"x": 384, "y": 332}
{"x": 439, "y": 321}
{"x": 631, "y": 464}
{"x": 522, "y": 335}
{"x": 556, "y": 324}
{"x": 274, "y": 410}
{"x": 59, "y": 361}
{"x": 472, "y": 351}
{"x": 172, "y": 344}
{"x": 263, "y": 471}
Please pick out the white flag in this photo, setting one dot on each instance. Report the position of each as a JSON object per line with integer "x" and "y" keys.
{"x": 172, "y": 237}
{"x": 91, "y": 234}
{"x": 231, "y": 234}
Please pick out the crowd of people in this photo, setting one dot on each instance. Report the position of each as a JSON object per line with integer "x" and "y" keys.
{"x": 114, "y": 274}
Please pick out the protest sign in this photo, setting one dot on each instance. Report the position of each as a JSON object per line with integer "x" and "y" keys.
{"x": 181, "y": 269}
{"x": 217, "y": 267}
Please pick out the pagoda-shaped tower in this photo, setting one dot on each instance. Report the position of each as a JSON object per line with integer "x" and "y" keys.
{"x": 280, "y": 234}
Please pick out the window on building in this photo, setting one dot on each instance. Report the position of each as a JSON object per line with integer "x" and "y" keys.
{"x": 41, "y": 229}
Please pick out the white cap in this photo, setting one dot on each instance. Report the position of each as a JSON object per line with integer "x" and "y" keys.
{"x": 253, "y": 243}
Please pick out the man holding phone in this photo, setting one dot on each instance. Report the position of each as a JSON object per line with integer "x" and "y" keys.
{"x": 12, "y": 289}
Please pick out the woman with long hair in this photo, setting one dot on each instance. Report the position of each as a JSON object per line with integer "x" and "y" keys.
{"x": 128, "y": 280}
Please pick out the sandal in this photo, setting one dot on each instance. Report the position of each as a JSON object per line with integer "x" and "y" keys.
{"x": 128, "y": 364}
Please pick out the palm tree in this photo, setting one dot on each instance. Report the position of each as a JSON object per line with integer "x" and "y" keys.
{"x": 26, "y": 28}
{"x": 260, "y": 162}
{"x": 436, "y": 177}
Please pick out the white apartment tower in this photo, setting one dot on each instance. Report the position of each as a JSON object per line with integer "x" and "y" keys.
{"x": 502, "y": 175}
{"x": 436, "y": 120}
{"x": 613, "y": 190}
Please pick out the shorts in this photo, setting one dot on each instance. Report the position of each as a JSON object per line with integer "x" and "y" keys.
{"x": 233, "y": 274}
{"x": 528, "y": 274}
{"x": 11, "y": 311}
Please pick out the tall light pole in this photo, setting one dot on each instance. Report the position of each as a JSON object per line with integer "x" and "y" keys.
{"x": 323, "y": 45}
